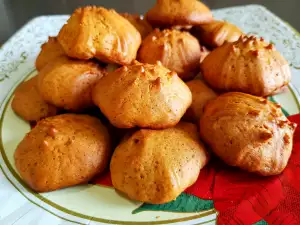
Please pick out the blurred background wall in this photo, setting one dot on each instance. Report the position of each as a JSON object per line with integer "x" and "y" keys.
{"x": 15, "y": 13}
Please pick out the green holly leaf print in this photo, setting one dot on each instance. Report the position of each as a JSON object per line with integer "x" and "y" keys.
{"x": 183, "y": 203}
{"x": 262, "y": 222}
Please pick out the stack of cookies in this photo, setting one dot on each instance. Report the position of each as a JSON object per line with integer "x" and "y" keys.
{"x": 154, "y": 98}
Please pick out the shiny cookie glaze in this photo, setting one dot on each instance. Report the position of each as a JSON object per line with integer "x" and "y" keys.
{"x": 248, "y": 132}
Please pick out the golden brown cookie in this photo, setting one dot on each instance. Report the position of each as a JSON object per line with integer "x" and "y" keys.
{"x": 98, "y": 32}
{"x": 63, "y": 151}
{"x": 28, "y": 103}
{"x": 156, "y": 166}
{"x": 201, "y": 94}
{"x": 139, "y": 23}
{"x": 178, "y": 12}
{"x": 215, "y": 33}
{"x": 177, "y": 50}
{"x": 248, "y": 65}
{"x": 49, "y": 52}
{"x": 142, "y": 95}
{"x": 68, "y": 83}
{"x": 248, "y": 132}
{"x": 203, "y": 53}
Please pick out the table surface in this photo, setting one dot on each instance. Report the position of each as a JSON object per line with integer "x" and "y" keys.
{"x": 15, "y": 13}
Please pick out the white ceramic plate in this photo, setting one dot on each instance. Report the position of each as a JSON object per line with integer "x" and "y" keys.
{"x": 94, "y": 204}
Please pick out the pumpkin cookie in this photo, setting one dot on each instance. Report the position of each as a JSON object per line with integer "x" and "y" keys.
{"x": 142, "y": 95}
{"x": 248, "y": 132}
{"x": 49, "y": 52}
{"x": 28, "y": 103}
{"x": 178, "y": 12}
{"x": 201, "y": 94}
{"x": 215, "y": 33}
{"x": 98, "y": 32}
{"x": 156, "y": 166}
{"x": 177, "y": 50}
{"x": 248, "y": 65}
{"x": 139, "y": 23}
{"x": 63, "y": 151}
{"x": 68, "y": 83}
